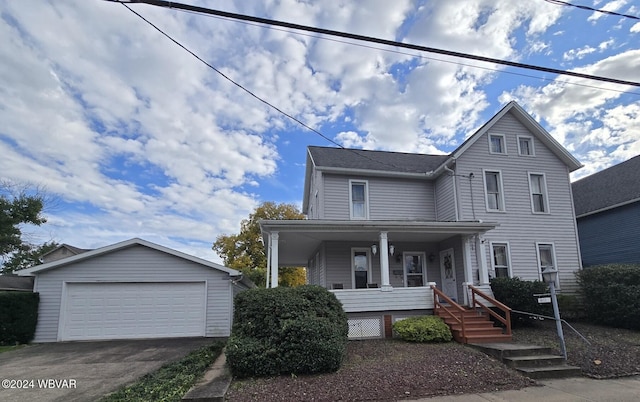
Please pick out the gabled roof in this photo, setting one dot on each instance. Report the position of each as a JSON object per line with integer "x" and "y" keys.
{"x": 533, "y": 126}
{"x": 72, "y": 249}
{"x": 120, "y": 246}
{"x": 616, "y": 186}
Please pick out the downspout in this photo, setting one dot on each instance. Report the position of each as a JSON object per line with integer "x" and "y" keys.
{"x": 455, "y": 190}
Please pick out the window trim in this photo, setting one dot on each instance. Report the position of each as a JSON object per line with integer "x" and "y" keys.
{"x": 504, "y": 144}
{"x": 366, "y": 199}
{"x": 553, "y": 255}
{"x": 367, "y": 250}
{"x": 508, "y": 249}
{"x": 532, "y": 147}
{"x": 501, "y": 206}
{"x": 545, "y": 194}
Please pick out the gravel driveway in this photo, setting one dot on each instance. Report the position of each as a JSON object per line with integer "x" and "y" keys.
{"x": 84, "y": 371}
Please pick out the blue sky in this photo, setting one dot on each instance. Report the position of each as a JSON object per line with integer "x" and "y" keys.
{"x": 137, "y": 138}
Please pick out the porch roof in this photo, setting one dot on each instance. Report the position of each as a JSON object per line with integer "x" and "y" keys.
{"x": 298, "y": 239}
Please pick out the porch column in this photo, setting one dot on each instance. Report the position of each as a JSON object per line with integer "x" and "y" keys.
{"x": 467, "y": 245}
{"x": 482, "y": 260}
{"x": 273, "y": 246}
{"x": 384, "y": 261}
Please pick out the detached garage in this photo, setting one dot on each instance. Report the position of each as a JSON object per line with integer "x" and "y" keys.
{"x": 133, "y": 290}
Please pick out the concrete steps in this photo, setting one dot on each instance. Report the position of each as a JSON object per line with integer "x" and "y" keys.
{"x": 532, "y": 361}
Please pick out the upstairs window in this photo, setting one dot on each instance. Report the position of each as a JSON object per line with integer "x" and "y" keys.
{"x": 493, "y": 191}
{"x": 358, "y": 200}
{"x": 525, "y": 146}
{"x": 538, "y": 187}
{"x": 497, "y": 144}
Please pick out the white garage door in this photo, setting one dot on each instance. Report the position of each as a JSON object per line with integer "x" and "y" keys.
{"x": 132, "y": 310}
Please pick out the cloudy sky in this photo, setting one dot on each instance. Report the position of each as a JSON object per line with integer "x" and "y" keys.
{"x": 135, "y": 137}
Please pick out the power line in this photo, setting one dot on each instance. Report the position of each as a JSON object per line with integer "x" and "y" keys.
{"x": 180, "y": 6}
{"x": 251, "y": 93}
{"x": 564, "y": 3}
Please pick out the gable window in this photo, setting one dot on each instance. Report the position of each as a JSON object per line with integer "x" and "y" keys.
{"x": 497, "y": 144}
{"x": 493, "y": 191}
{"x": 546, "y": 259}
{"x": 538, "y": 187}
{"x": 359, "y": 206}
{"x": 500, "y": 259}
{"x": 525, "y": 146}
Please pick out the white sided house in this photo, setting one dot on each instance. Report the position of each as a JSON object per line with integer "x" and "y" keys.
{"x": 131, "y": 290}
{"x": 383, "y": 228}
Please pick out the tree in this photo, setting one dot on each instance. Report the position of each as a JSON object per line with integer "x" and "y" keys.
{"x": 245, "y": 252}
{"x": 27, "y": 256}
{"x": 18, "y": 207}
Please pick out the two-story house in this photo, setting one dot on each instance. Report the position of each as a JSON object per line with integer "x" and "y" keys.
{"x": 384, "y": 226}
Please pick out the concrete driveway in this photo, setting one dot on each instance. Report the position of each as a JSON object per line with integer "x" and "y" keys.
{"x": 85, "y": 371}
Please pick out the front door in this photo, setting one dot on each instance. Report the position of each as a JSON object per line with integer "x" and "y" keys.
{"x": 448, "y": 272}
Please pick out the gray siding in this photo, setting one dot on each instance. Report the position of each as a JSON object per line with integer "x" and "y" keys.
{"x": 611, "y": 236}
{"x": 134, "y": 264}
{"x": 444, "y": 198}
{"x": 518, "y": 225}
{"x": 389, "y": 198}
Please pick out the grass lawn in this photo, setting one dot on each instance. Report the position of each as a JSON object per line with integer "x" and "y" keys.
{"x": 10, "y": 347}
{"x": 171, "y": 381}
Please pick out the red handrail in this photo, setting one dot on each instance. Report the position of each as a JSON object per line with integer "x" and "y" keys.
{"x": 506, "y": 321}
{"x": 460, "y": 310}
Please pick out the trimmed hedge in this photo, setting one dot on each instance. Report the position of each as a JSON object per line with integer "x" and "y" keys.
{"x": 18, "y": 317}
{"x": 299, "y": 330}
{"x": 518, "y": 295}
{"x": 426, "y": 328}
{"x": 611, "y": 294}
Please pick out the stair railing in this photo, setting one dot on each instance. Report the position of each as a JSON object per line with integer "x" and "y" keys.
{"x": 506, "y": 320}
{"x": 457, "y": 315}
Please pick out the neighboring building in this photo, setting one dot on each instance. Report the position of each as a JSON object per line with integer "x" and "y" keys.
{"x": 607, "y": 206}
{"x": 62, "y": 251}
{"x": 13, "y": 282}
{"x": 383, "y": 226}
{"x": 133, "y": 289}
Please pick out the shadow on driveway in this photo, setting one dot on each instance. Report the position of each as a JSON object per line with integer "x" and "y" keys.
{"x": 91, "y": 369}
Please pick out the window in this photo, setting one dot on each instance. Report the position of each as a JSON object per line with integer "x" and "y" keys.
{"x": 361, "y": 268}
{"x": 493, "y": 191}
{"x": 414, "y": 269}
{"x": 546, "y": 259}
{"x": 525, "y": 146}
{"x": 538, "y": 186}
{"x": 500, "y": 260}
{"x": 497, "y": 144}
{"x": 358, "y": 200}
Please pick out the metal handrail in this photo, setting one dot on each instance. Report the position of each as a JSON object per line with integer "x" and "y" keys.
{"x": 507, "y": 310}
{"x": 437, "y": 304}
{"x": 553, "y": 318}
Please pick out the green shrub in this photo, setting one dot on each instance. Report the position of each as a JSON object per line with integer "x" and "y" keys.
{"x": 519, "y": 295}
{"x": 299, "y": 330}
{"x": 18, "y": 317}
{"x": 611, "y": 294}
{"x": 427, "y": 328}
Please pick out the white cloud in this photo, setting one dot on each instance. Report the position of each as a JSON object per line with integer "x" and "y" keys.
{"x": 635, "y": 28}
{"x": 611, "y": 6}
{"x": 578, "y": 53}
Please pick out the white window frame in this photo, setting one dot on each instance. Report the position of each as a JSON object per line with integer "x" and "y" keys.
{"x": 531, "y": 147}
{"x": 504, "y": 144}
{"x": 545, "y": 193}
{"x": 423, "y": 257}
{"x": 555, "y": 260}
{"x": 354, "y": 250}
{"x": 508, "y": 251}
{"x": 366, "y": 199}
{"x": 501, "y": 206}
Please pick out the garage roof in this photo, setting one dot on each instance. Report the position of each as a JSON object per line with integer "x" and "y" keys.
{"x": 119, "y": 246}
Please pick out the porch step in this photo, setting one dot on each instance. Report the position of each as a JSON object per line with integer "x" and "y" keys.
{"x": 532, "y": 361}
{"x": 478, "y": 328}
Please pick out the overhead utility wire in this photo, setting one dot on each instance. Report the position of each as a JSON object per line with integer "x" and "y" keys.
{"x": 242, "y": 17}
{"x": 564, "y": 3}
{"x": 251, "y": 93}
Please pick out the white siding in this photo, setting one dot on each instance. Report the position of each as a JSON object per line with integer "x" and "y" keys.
{"x": 389, "y": 198}
{"x": 134, "y": 264}
{"x": 444, "y": 194}
{"x": 518, "y": 224}
{"x": 360, "y": 300}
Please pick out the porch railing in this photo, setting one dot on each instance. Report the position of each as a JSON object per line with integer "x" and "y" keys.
{"x": 506, "y": 320}
{"x": 454, "y": 310}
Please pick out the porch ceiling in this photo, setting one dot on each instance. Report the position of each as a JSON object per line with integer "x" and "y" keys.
{"x": 298, "y": 239}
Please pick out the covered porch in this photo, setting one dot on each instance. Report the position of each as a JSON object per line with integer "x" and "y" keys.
{"x": 376, "y": 266}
